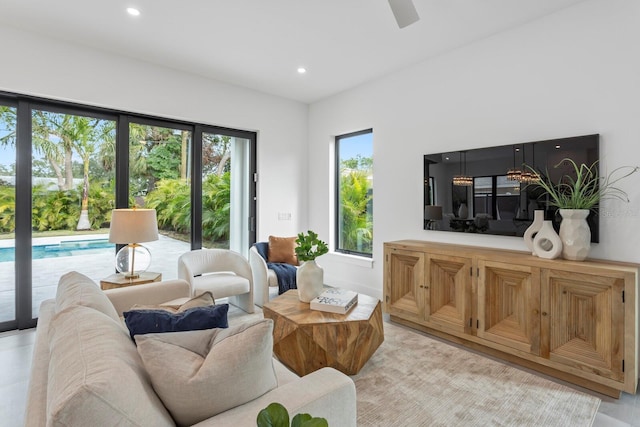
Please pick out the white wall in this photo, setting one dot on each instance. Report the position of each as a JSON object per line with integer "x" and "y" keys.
{"x": 43, "y": 67}
{"x": 575, "y": 72}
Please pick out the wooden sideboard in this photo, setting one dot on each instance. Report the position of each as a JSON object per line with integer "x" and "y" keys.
{"x": 574, "y": 320}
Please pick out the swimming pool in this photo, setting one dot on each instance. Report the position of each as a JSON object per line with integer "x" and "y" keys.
{"x": 64, "y": 248}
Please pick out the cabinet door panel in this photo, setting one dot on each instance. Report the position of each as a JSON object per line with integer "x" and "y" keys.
{"x": 449, "y": 292}
{"x": 405, "y": 295}
{"x": 585, "y": 317}
{"x": 509, "y": 305}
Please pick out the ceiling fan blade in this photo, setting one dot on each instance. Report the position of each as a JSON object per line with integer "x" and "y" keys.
{"x": 404, "y": 11}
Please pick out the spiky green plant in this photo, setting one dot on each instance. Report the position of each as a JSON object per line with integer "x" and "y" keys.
{"x": 587, "y": 188}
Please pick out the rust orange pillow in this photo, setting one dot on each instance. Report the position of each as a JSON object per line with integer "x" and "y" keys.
{"x": 282, "y": 249}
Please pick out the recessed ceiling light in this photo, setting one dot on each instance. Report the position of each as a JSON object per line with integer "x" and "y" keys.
{"x": 557, "y": 147}
{"x": 133, "y": 11}
{"x": 302, "y": 70}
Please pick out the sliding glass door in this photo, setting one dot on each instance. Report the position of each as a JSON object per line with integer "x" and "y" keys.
{"x": 226, "y": 189}
{"x": 65, "y": 167}
{"x": 160, "y": 179}
{"x": 72, "y": 195}
{"x": 7, "y": 213}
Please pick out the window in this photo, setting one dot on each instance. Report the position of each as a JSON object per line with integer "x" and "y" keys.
{"x": 496, "y": 196}
{"x": 354, "y": 193}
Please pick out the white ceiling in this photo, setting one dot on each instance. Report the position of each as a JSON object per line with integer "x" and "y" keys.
{"x": 259, "y": 44}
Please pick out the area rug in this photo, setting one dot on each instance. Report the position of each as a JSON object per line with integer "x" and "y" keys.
{"x": 415, "y": 380}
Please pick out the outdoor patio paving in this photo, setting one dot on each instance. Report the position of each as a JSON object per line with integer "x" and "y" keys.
{"x": 95, "y": 263}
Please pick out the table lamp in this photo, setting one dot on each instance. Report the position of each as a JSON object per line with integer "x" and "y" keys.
{"x": 130, "y": 227}
{"x": 432, "y": 214}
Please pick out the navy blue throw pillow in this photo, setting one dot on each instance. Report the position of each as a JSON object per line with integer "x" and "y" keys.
{"x": 158, "y": 321}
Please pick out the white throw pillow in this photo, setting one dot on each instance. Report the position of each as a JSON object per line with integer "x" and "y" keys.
{"x": 199, "y": 374}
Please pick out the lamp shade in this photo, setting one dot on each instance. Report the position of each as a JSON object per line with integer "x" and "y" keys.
{"x": 433, "y": 213}
{"x": 133, "y": 226}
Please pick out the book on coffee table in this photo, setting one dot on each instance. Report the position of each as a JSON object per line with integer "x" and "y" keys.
{"x": 334, "y": 300}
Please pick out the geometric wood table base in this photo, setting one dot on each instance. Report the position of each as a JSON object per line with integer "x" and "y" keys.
{"x": 306, "y": 340}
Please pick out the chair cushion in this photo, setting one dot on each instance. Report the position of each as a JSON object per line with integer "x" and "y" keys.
{"x": 96, "y": 376}
{"x": 272, "y": 279}
{"x": 199, "y": 374}
{"x": 282, "y": 249}
{"x": 77, "y": 289}
{"x": 221, "y": 285}
{"x": 157, "y": 321}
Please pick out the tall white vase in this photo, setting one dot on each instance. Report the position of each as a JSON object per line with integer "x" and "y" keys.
{"x": 575, "y": 234}
{"x": 463, "y": 211}
{"x": 547, "y": 243}
{"x": 309, "y": 278}
{"x": 530, "y": 233}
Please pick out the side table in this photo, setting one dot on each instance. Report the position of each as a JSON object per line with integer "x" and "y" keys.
{"x": 119, "y": 281}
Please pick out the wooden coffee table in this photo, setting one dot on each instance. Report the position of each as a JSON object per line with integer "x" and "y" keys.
{"x": 306, "y": 340}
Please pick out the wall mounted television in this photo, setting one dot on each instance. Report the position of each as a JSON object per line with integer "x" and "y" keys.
{"x": 494, "y": 203}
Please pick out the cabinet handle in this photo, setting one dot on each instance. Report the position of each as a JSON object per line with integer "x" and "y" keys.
{"x": 421, "y": 286}
{"x": 535, "y": 311}
{"x": 544, "y": 313}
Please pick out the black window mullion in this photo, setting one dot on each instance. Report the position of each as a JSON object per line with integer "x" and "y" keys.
{"x": 122, "y": 162}
{"x": 196, "y": 188}
{"x": 23, "y": 263}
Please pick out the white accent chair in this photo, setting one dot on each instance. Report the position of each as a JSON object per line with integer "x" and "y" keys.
{"x": 223, "y": 272}
{"x": 263, "y": 277}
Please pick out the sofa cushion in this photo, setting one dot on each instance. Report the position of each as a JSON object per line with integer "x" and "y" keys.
{"x": 157, "y": 321}
{"x": 183, "y": 304}
{"x": 282, "y": 249}
{"x": 96, "y": 376}
{"x": 77, "y": 289}
{"x": 199, "y": 374}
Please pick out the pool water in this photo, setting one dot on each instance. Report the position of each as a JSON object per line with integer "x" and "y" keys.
{"x": 64, "y": 248}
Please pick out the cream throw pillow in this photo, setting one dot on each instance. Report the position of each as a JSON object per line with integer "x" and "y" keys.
{"x": 203, "y": 300}
{"x": 96, "y": 376}
{"x": 199, "y": 374}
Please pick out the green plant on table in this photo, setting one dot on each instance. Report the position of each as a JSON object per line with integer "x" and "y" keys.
{"x": 586, "y": 189}
{"x": 276, "y": 415}
{"x": 309, "y": 247}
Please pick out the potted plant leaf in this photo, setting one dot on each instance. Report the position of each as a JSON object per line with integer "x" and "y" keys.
{"x": 309, "y": 277}
{"x": 276, "y": 415}
{"x": 575, "y": 195}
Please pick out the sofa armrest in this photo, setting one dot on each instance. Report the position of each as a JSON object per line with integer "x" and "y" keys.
{"x": 148, "y": 294}
{"x": 326, "y": 393}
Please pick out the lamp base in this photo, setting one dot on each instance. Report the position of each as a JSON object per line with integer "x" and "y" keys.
{"x": 132, "y": 260}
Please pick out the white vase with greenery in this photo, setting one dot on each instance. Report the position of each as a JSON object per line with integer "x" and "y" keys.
{"x": 575, "y": 234}
{"x": 582, "y": 191}
{"x": 310, "y": 276}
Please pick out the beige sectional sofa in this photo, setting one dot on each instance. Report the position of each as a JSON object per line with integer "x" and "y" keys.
{"x": 86, "y": 370}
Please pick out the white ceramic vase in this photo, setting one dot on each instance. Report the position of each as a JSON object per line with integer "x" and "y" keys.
{"x": 547, "y": 243}
{"x": 530, "y": 233}
{"x": 309, "y": 278}
{"x": 575, "y": 234}
{"x": 463, "y": 211}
